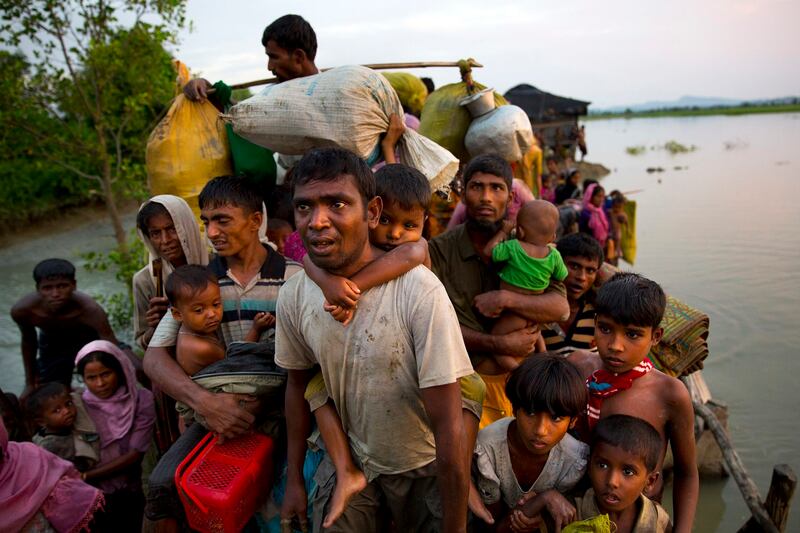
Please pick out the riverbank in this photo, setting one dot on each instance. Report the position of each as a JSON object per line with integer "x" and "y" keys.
{"x": 700, "y": 112}
{"x": 63, "y": 220}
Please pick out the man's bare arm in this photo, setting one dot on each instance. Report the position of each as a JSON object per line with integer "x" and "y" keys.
{"x": 298, "y": 427}
{"x": 222, "y": 411}
{"x": 29, "y": 346}
{"x": 443, "y": 406}
{"x": 686, "y": 487}
{"x": 517, "y": 343}
{"x": 551, "y": 306}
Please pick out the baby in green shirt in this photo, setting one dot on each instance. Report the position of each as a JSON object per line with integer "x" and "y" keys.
{"x": 529, "y": 262}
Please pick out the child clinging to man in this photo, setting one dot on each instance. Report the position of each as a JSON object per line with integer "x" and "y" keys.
{"x": 623, "y": 466}
{"x": 63, "y": 425}
{"x": 528, "y": 262}
{"x": 621, "y": 380}
{"x": 194, "y": 297}
{"x": 406, "y": 196}
{"x": 531, "y": 452}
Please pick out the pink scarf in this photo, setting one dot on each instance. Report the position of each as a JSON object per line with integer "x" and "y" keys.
{"x": 29, "y": 476}
{"x": 113, "y": 416}
{"x": 598, "y": 221}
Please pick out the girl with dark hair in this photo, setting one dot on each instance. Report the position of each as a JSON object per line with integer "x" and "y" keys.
{"x": 124, "y": 416}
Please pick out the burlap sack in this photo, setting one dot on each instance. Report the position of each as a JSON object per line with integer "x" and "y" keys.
{"x": 347, "y": 107}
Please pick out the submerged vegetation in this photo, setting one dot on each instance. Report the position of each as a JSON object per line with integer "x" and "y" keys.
{"x": 636, "y": 150}
{"x": 672, "y": 146}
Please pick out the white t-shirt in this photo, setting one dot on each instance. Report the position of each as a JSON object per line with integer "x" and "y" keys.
{"x": 495, "y": 478}
{"x": 404, "y": 337}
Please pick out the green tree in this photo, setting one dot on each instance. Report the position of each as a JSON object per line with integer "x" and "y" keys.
{"x": 95, "y": 82}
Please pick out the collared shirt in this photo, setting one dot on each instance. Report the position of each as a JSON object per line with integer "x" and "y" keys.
{"x": 464, "y": 275}
{"x": 241, "y": 302}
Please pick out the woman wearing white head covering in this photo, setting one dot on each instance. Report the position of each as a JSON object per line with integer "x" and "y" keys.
{"x": 169, "y": 231}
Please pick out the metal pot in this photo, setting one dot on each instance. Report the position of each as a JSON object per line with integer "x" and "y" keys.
{"x": 480, "y": 103}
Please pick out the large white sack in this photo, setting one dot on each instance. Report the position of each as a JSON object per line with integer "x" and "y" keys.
{"x": 505, "y": 131}
{"x": 347, "y": 107}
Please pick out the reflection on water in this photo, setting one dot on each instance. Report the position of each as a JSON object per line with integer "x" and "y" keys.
{"x": 722, "y": 234}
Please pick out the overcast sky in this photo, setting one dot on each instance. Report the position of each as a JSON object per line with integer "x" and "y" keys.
{"x": 611, "y": 53}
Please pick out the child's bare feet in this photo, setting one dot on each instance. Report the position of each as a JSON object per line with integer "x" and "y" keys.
{"x": 476, "y": 505}
{"x": 347, "y": 486}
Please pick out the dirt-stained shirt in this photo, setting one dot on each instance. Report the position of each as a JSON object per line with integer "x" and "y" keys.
{"x": 404, "y": 337}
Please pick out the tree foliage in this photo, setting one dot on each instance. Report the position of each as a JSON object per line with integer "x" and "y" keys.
{"x": 88, "y": 81}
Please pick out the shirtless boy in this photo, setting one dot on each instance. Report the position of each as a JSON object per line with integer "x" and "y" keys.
{"x": 622, "y": 380}
{"x": 66, "y": 319}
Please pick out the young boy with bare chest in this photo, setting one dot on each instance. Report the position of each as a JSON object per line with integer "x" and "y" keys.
{"x": 194, "y": 296}
{"x": 621, "y": 380}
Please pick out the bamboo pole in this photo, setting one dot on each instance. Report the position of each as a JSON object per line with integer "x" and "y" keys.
{"x": 373, "y": 66}
{"x": 746, "y": 485}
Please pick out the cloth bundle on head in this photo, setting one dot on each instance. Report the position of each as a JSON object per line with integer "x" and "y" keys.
{"x": 28, "y": 476}
{"x": 598, "y": 221}
{"x": 191, "y": 240}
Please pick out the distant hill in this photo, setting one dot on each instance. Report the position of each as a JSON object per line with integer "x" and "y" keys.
{"x": 691, "y": 102}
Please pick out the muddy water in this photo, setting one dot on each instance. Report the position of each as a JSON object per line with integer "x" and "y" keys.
{"x": 721, "y": 233}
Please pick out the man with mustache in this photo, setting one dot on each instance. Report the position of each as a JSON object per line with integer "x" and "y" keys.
{"x": 392, "y": 372}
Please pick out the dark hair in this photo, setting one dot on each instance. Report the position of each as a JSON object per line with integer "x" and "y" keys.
{"x": 187, "y": 280}
{"x": 148, "y": 211}
{"x": 330, "y": 164}
{"x": 404, "y": 185}
{"x": 236, "y": 191}
{"x": 489, "y": 164}
{"x": 429, "y": 84}
{"x": 105, "y": 359}
{"x": 631, "y": 299}
{"x": 588, "y": 182}
{"x": 633, "y": 435}
{"x": 53, "y": 268}
{"x": 274, "y": 224}
{"x": 291, "y": 32}
{"x": 546, "y": 382}
{"x": 581, "y": 245}
{"x": 34, "y": 403}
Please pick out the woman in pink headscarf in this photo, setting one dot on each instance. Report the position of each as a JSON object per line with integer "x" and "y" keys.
{"x": 593, "y": 219}
{"x": 39, "y": 491}
{"x": 124, "y": 417}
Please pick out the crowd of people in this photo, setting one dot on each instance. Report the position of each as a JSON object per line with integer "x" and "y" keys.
{"x": 492, "y": 377}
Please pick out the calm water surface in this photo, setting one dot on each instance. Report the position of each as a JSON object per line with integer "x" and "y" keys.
{"x": 723, "y": 234}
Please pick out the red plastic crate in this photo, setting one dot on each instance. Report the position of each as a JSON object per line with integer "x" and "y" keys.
{"x": 221, "y": 485}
